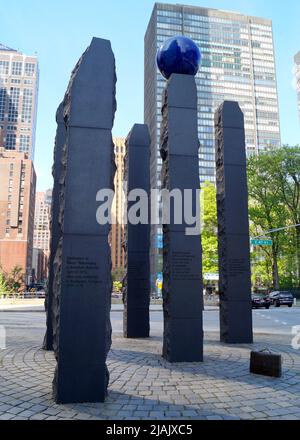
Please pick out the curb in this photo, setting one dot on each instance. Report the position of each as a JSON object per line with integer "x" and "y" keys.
{"x": 28, "y": 310}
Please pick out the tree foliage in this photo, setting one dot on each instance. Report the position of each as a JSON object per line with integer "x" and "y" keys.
{"x": 274, "y": 202}
{"x": 13, "y": 281}
{"x": 209, "y": 228}
{"x": 287, "y": 176}
{"x": 117, "y": 286}
{"x": 3, "y": 286}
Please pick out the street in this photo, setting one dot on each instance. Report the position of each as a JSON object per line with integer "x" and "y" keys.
{"x": 273, "y": 321}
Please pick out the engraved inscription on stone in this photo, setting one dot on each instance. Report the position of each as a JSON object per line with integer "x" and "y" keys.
{"x": 137, "y": 268}
{"x": 182, "y": 266}
{"x": 81, "y": 271}
{"x": 237, "y": 266}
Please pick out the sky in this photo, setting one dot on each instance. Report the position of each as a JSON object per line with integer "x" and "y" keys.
{"x": 58, "y": 31}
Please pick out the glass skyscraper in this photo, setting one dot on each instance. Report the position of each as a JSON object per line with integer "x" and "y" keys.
{"x": 238, "y": 64}
{"x": 19, "y": 83}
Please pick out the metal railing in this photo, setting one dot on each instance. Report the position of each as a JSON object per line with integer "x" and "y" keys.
{"x": 23, "y": 295}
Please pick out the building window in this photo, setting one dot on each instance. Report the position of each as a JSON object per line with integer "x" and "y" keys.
{"x": 29, "y": 69}
{"x": 10, "y": 141}
{"x": 27, "y": 105}
{"x": 13, "y": 104}
{"x": 17, "y": 68}
{"x": 24, "y": 143}
{"x": 4, "y": 66}
{"x": 2, "y": 103}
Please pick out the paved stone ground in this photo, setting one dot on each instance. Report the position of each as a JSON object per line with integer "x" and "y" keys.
{"x": 144, "y": 386}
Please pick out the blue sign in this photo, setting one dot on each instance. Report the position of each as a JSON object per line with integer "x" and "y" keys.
{"x": 159, "y": 241}
{"x": 262, "y": 242}
{"x": 160, "y": 276}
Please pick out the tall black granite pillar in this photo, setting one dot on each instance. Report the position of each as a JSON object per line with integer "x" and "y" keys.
{"x": 82, "y": 266}
{"x": 233, "y": 226}
{"x": 182, "y": 271}
{"x": 136, "y": 288}
{"x": 55, "y": 227}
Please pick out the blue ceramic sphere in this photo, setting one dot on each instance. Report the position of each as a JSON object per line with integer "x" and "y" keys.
{"x": 178, "y": 55}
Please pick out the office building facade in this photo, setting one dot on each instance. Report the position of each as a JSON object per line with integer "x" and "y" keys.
{"x": 41, "y": 237}
{"x": 19, "y": 82}
{"x": 17, "y": 203}
{"x": 238, "y": 64}
{"x": 39, "y": 267}
{"x": 117, "y": 230}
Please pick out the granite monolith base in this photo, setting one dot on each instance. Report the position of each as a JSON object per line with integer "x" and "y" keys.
{"x": 233, "y": 226}
{"x": 182, "y": 253}
{"x": 55, "y": 227}
{"x": 136, "y": 287}
{"x": 82, "y": 266}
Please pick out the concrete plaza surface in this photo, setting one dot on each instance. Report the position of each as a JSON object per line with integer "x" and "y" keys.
{"x": 144, "y": 386}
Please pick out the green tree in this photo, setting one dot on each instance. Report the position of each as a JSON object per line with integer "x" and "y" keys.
{"x": 287, "y": 177}
{"x": 261, "y": 269}
{"x": 274, "y": 197}
{"x": 118, "y": 274}
{"x": 265, "y": 210}
{"x": 209, "y": 228}
{"x": 3, "y": 286}
{"x": 118, "y": 286}
{"x": 15, "y": 279}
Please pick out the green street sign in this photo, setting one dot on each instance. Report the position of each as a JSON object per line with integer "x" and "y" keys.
{"x": 262, "y": 242}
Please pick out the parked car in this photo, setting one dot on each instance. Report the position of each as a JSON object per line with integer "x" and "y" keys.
{"x": 116, "y": 295}
{"x": 36, "y": 288}
{"x": 35, "y": 291}
{"x": 282, "y": 298}
{"x": 260, "y": 300}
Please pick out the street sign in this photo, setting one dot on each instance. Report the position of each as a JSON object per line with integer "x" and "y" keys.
{"x": 159, "y": 241}
{"x": 211, "y": 277}
{"x": 159, "y": 282}
{"x": 262, "y": 242}
{"x": 160, "y": 276}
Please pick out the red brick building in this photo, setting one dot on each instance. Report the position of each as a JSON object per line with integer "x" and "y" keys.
{"x": 17, "y": 202}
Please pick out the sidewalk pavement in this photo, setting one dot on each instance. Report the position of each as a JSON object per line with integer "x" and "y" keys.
{"x": 37, "y": 305}
{"x": 144, "y": 386}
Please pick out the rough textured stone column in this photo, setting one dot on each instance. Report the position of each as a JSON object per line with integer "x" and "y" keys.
{"x": 182, "y": 254}
{"x": 136, "y": 287}
{"x": 82, "y": 266}
{"x": 55, "y": 227}
{"x": 233, "y": 225}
